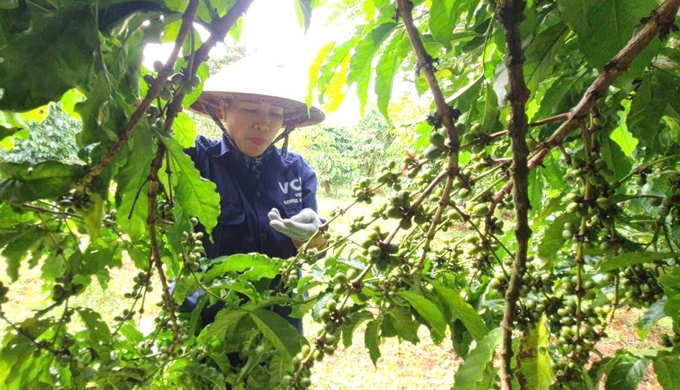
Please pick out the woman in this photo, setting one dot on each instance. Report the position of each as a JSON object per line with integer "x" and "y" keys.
{"x": 268, "y": 196}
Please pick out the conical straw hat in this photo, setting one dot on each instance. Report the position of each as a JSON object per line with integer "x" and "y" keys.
{"x": 254, "y": 78}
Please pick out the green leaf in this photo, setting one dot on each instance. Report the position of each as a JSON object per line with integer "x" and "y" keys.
{"x": 441, "y": 21}
{"x": 541, "y": 52}
{"x": 184, "y": 130}
{"x": 313, "y": 72}
{"x": 645, "y": 113}
{"x": 92, "y": 109}
{"x": 657, "y": 90}
{"x": 626, "y": 372}
{"x": 27, "y": 182}
{"x": 15, "y": 355}
{"x": 604, "y": 27}
{"x": 490, "y": 122}
{"x": 403, "y": 323}
{"x": 182, "y": 370}
{"x": 471, "y": 371}
{"x": 16, "y": 350}
{"x": 553, "y": 240}
{"x": 671, "y": 286}
{"x": 132, "y": 190}
{"x": 17, "y": 245}
{"x": 429, "y": 311}
{"x": 97, "y": 332}
{"x": 553, "y": 175}
{"x": 254, "y": 266}
{"x": 131, "y": 333}
{"x": 623, "y": 137}
{"x": 561, "y": 95}
{"x": 99, "y": 256}
{"x": 9, "y": 4}
{"x": 372, "y": 340}
{"x": 387, "y": 67}
{"x": 467, "y": 96}
{"x": 66, "y": 39}
{"x": 224, "y": 320}
{"x": 303, "y": 10}
{"x": 93, "y": 217}
{"x": 184, "y": 287}
{"x": 335, "y": 62}
{"x": 535, "y": 189}
{"x": 461, "y": 339}
{"x": 277, "y": 330}
{"x": 191, "y": 190}
{"x": 614, "y": 156}
{"x": 462, "y": 310}
{"x": 633, "y": 258}
{"x": 535, "y": 368}
{"x": 8, "y": 131}
{"x": 54, "y": 266}
{"x": 667, "y": 370}
{"x": 203, "y": 72}
{"x": 13, "y": 120}
{"x": 671, "y": 280}
{"x": 422, "y": 132}
{"x": 651, "y": 317}
{"x": 113, "y": 12}
{"x": 348, "y": 331}
{"x": 362, "y": 59}
{"x": 368, "y": 8}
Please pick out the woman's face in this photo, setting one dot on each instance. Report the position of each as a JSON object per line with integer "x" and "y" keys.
{"x": 253, "y": 125}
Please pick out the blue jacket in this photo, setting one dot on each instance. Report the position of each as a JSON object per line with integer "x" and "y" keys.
{"x": 249, "y": 188}
{"x": 248, "y": 194}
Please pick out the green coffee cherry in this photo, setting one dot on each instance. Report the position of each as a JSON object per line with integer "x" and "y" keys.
{"x": 437, "y": 139}
{"x": 480, "y": 210}
{"x": 432, "y": 152}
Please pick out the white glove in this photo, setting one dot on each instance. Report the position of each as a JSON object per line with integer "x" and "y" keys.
{"x": 300, "y": 227}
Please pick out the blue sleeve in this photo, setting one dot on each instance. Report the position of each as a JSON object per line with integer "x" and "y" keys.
{"x": 198, "y": 151}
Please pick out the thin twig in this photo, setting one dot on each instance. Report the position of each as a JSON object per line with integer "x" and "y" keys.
{"x": 425, "y": 64}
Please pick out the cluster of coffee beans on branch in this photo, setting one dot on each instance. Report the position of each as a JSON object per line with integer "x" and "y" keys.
{"x": 389, "y": 176}
{"x": 378, "y": 252}
{"x": 400, "y": 208}
{"x": 289, "y": 271}
{"x": 641, "y": 286}
{"x": 142, "y": 282}
{"x": 65, "y": 288}
{"x": 363, "y": 192}
{"x": 164, "y": 210}
{"x": 173, "y": 84}
{"x": 334, "y": 315}
{"x": 194, "y": 254}
{"x": 77, "y": 200}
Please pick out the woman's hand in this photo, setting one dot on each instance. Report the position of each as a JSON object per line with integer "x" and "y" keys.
{"x": 300, "y": 227}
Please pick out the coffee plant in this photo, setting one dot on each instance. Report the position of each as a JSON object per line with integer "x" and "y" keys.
{"x": 552, "y": 142}
{"x": 52, "y": 137}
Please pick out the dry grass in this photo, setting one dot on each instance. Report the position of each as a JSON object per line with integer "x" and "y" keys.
{"x": 401, "y": 366}
{"x": 29, "y": 294}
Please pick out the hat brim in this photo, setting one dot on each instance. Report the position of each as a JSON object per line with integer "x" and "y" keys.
{"x": 295, "y": 113}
